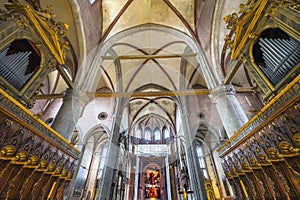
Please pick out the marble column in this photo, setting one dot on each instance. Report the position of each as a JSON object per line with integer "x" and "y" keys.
{"x": 69, "y": 113}
{"x": 231, "y": 113}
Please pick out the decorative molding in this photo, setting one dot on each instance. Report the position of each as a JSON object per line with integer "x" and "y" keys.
{"x": 292, "y": 4}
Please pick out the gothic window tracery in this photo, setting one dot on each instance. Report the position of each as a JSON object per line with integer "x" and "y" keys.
{"x": 201, "y": 159}
{"x": 157, "y": 135}
{"x": 148, "y": 135}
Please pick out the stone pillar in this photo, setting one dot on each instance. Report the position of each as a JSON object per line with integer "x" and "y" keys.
{"x": 69, "y": 113}
{"x": 231, "y": 113}
{"x": 168, "y": 177}
{"x": 195, "y": 175}
{"x": 112, "y": 153}
{"x": 196, "y": 179}
{"x": 136, "y": 182}
{"x": 109, "y": 172}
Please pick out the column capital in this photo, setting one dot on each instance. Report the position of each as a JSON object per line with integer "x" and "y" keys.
{"x": 221, "y": 90}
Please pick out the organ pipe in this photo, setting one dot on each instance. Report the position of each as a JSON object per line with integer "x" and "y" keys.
{"x": 13, "y": 67}
{"x": 280, "y": 57}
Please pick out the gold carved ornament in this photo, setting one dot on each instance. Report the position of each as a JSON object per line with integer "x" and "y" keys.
{"x": 296, "y": 141}
{"x": 50, "y": 34}
{"x": 8, "y": 151}
{"x": 250, "y": 13}
{"x": 293, "y": 4}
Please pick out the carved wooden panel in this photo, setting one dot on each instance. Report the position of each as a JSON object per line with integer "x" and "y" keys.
{"x": 33, "y": 157}
{"x": 268, "y": 157}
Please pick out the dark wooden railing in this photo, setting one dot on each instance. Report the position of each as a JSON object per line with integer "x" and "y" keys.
{"x": 261, "y": 160}
{"x": 35, "y": 161}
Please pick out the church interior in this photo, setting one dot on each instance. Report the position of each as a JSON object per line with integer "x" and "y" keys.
{"x": 149, "y": 100}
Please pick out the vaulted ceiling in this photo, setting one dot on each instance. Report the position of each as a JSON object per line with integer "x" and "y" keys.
{"x": 153, "y": 50}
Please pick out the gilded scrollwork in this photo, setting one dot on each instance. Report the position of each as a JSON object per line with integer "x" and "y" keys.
{"x": 296, "y": 140}
{"x": 61, "y": 28}
{"x": 22, "y": 23}
{"x": 293, "y": 4}
{"x": 33, "y": 160}
{"x": 21, "y": 156}
{"x": 42, "y": 20}
{"x": 293, "y": 127}
{"x": 271, "y": 153}
{"x": 287, "y": 148}
{"x": 228, "y": 41}
{"x": 232, "y": 21}
{"x": 46, "y": 14}
{"x": 245, "y": 8}
{"x": 40, "y": 27}
{"x": 5, "y": 16}
{"x": 8, "y": 151}
{"x": 33, "y": 122}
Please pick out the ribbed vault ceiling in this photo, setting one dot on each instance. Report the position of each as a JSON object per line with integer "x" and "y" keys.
{"x": 149, "y": 57}
{"x": 122, "y": 14}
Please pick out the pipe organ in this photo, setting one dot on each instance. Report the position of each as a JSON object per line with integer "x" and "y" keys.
{"x": 265, "y": 39}
{"x": 13, "y": 68}
{"x": 280, "y": 57}
{"x": 31, "y": 46}
{"x": 261, "y": 160}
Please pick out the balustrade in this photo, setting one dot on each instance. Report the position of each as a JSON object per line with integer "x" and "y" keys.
{"x": 35, "y": 161}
